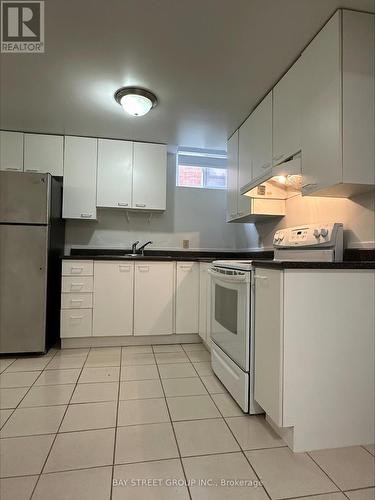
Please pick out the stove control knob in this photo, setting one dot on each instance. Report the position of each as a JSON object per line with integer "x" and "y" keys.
{"x": 324, "y": 232}
{"x": 316, "y": 233}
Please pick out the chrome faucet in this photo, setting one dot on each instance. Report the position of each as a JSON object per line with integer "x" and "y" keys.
{"x": 134, "y": 247}
{"x": 141, "y": 249}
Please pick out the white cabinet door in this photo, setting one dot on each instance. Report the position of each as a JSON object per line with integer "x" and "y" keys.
{"x": 154, "y": 285}
{"x": 358, "y": 56}
{"x": 286, "y": 111}
{"x": 11, "y": 151}
{"x": 113, "y": 298}
{"x": 245, "y": 153}
{"x": 115, "y": 166}
{"x": 269, "y": 342}
{"x": 321, "y": 109}
{"x": 232, "y": 180}
{"x": 149, "y": 176}
{"x": 44, "y": 153}
{"x": 261, "y": 137}
{"x": 187, "y": 297}
{"x": 79, "y": 194}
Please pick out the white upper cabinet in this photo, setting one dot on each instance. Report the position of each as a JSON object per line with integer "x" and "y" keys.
{"x": 261, "y": 137}
{"x": 232, "y": 176}
{"x": 115, "y": 167}
{"x": 44, "y": 154}
{"x": 80, "y": 163}
{"x": 113, "y": 298}
{"x": 149, "y": 176}
{"x": 358, "y": 51}
{"x": 286, "y": 111}
{"x": 321, "y": 101}
{"x": 338, "y": 107}
{"x": 153, "y": 303}
{"x": 187, "y": 297}
{"x": 245, "y": 153}
{"x": 11, "y": 151}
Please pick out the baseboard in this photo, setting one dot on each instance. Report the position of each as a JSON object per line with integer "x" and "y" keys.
{"x": 190, "y": 338}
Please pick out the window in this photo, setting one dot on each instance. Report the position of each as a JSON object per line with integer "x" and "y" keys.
{"x": 201, "y": 168}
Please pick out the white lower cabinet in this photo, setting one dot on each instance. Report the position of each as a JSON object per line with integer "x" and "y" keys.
{"x": 187, "y": 297}
{"x": 154, "y": 298}
{"x": 314, "y": 353}
{"x": 204, "y": 302}
{"x": 113, "y": 298}
{"x": 76, "y": 323}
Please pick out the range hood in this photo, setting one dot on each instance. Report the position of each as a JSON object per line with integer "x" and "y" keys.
{"x": 280, "y": 182}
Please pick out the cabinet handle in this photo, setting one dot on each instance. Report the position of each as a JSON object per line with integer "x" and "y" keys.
{"x": 240, "y": 213}
{"x": 76, "y": 317}
{"x": 266, "y": 165}
{"x": 76, "y": 300}
{"x": 120, "y": 204}
{"x": 76, "y": 270}
{"x": 143, "y": 269}
{"x": 32, "y": 170}
{"x": 86, "y": 216}
{"x": 140, "y": 205}
{"x": 258, "y": 277}
{"x": 12, "y": 168}
{"x": 186, "y": 266}
{"x": 124, "y": 268}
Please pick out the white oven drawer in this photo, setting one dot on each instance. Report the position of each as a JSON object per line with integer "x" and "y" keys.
{"x": 234, "y": 379}
{"x": 76, "y": 300}
{"x": 76, "y": 323}
{"x": 77, "y": 284}
{"x": 77, "y": 268}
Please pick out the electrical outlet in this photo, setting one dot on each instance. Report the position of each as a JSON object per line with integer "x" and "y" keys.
{"x": 185, "y": 243}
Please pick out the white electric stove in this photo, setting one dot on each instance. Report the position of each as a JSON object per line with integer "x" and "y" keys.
{"x": 232, "y": 304}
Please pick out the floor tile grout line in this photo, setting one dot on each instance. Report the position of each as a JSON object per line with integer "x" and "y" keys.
{"x": 368, "y": 451}
{"x": 116, "y": 428}
{"x": 32, "y": 385}
{"x": 56, "y": 434}
{"x": 174, "y": 433}
{"x": 242, "y": 451}
{"x": 321, "y": 468}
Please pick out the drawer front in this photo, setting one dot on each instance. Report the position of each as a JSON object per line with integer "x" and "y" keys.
{"x": 77, "y": 268}
{"x": 76, "y": 323}
{"x": 76, "y": 300}
{"x": 77, "y": 284}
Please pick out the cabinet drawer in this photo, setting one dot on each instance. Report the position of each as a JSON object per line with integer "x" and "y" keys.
{"x": 77, "y": 267}
{"x": 76, "y": 323}
{"x": 76, "y": 300}
{"x": 77, "y": 284}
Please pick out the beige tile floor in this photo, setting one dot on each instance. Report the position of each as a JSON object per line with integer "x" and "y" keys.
{"x": 148, "y": 423}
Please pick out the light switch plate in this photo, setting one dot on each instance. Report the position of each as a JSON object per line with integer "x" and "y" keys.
{"x": 185, "y": 243}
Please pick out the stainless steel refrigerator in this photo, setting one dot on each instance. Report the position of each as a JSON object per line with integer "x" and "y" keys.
{"x": 31, "y": 245}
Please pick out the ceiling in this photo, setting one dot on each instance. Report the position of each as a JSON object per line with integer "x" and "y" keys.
{"x": 208, "y": 61}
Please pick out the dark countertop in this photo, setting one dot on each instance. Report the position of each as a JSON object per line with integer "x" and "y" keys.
{"x": 345, "y": 264}
{"x": 164, "y": 255}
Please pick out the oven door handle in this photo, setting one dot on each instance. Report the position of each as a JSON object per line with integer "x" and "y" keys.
{"x": 227, "y": 278}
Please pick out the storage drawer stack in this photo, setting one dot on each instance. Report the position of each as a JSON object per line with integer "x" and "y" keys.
{"x": 77, "y": 298}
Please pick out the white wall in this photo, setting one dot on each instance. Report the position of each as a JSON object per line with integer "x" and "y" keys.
{"x": 199, "y": 216}
{"x": 357, "y": 215}
{"x": 194, "y": 214}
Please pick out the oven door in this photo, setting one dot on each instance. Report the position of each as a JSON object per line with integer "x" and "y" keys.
{"x": 230, "y": 313}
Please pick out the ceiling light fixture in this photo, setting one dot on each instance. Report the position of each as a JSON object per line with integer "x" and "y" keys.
{"x": 136, "y": 101}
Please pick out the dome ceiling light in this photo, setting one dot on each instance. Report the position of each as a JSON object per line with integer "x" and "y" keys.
{"x": 136, "y": 101}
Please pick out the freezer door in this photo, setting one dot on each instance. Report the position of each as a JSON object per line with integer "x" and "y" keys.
{"x": 23, "y": 283}
{"x": 24, "y": 198}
